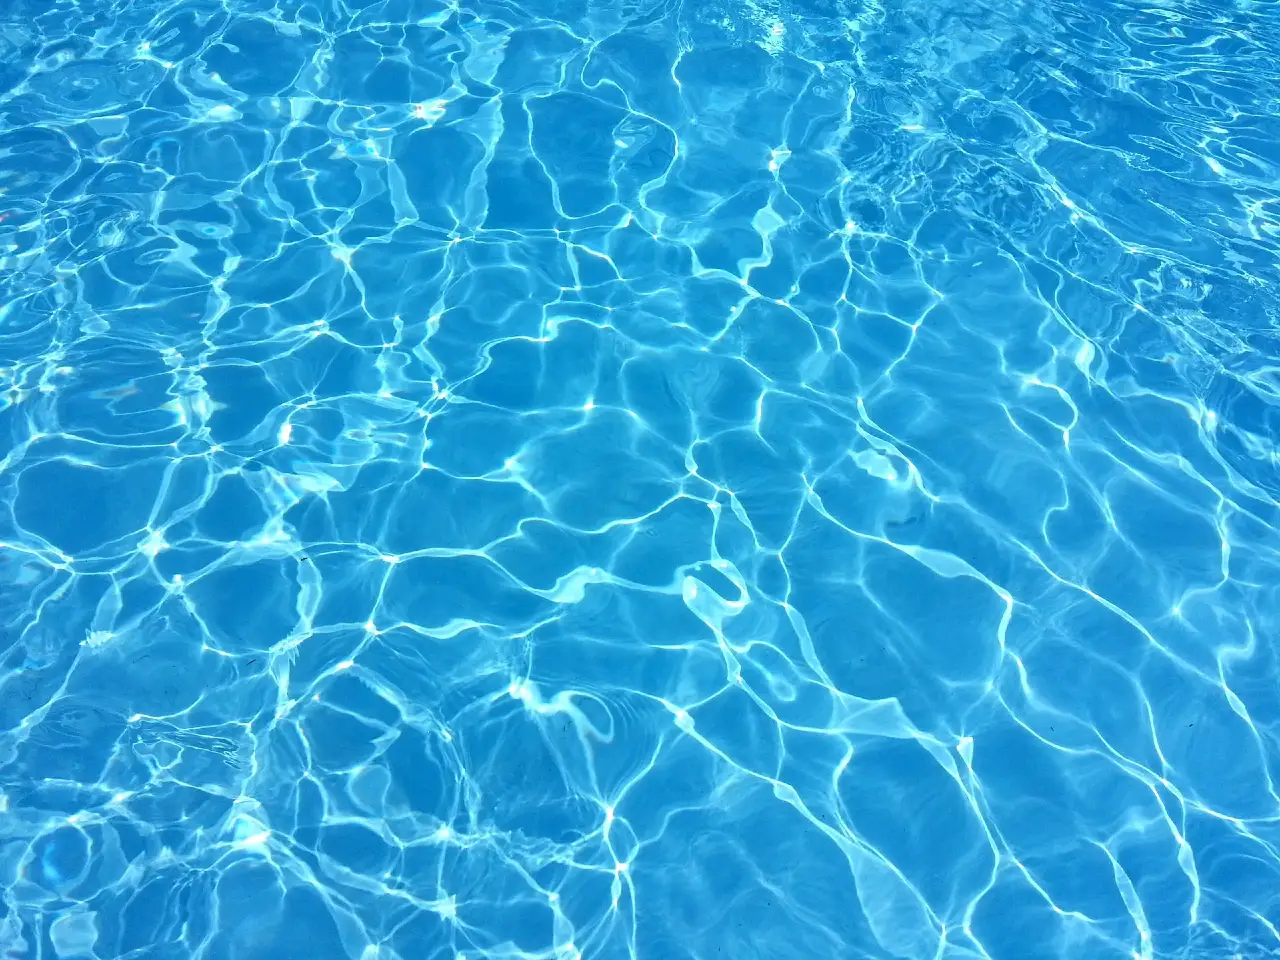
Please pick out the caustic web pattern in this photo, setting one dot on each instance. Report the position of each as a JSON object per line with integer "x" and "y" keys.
{"x": 626, "y": 480}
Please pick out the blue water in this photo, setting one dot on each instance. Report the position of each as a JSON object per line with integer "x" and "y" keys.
{"x": 640, "y": 479}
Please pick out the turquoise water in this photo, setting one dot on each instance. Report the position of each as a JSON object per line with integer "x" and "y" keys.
{"x": 655, "y": 480}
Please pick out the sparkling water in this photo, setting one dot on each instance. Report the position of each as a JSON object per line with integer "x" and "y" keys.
{"x": 639, "y": 479}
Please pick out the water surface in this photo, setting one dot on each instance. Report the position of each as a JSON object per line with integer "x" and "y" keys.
{"x": 639, "y": 480}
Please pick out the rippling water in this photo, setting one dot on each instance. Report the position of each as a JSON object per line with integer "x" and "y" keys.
{"x": 640, "y": 479}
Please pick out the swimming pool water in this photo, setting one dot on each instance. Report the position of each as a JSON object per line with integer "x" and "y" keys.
{"x": 602, "y": 479}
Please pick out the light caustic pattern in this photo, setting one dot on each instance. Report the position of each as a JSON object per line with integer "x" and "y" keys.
{"x": 639, "y": 480}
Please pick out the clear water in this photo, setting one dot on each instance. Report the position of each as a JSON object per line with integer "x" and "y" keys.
{"x": 650, "y": 480}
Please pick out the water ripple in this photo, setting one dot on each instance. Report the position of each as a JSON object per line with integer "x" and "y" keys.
{"x": 639, "y": 479}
